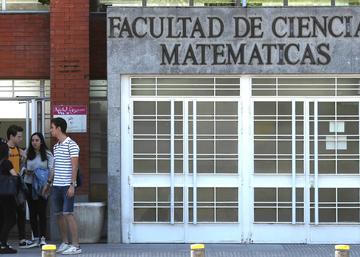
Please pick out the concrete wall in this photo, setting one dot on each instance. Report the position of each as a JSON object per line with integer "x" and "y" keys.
{"x": 274, "y": 40}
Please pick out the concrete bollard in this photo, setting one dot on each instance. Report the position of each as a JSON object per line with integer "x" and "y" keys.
{"x": 197, "y": 250}
{"x": 342, "y": 250}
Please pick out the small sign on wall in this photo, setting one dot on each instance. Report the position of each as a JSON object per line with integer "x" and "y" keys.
{"x": 75, "y": 116}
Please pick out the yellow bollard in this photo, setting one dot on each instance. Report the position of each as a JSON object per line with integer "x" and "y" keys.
{"x": 342, "y": 250}
{"x": 48, "y": 251}
{"x": 197, "y": 250}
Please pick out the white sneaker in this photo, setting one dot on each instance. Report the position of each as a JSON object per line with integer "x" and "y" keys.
{"x": 63, "y": 247}
{"x": 72, "y": 250}
{"x": 42, "y": 241}
{"x": 24, "y": 244}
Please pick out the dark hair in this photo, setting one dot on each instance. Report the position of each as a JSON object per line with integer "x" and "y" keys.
{"x": 31, "y": 154}
{"x": 13, "y": 130}
{"x": 4, "y": 151}
{"x": 59, "y": 122}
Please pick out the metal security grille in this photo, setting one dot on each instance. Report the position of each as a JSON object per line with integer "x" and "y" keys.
{"x": 216, "y": 137}
{"x": 336, "y": 205}
{"x": 152, "y": 136}
{"x": 295, "y": 86}
{"x": 215, "y": 204}
{"x": 185, "y": 137}
{"x": 185, "y": 86}
{"x": 278, "y": 126}
{"x": 334, "y": 137}
{"x": 152, "y": 204}
{"x": 274, "y": 205}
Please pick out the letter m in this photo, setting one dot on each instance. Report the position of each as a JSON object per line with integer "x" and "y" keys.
{"x": 167, "y": 58}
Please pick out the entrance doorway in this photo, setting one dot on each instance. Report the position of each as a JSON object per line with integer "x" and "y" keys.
{"x": 32, "y": 114}
{"x": 203, "y": 162}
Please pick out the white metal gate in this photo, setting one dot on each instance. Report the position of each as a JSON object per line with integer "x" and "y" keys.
{"x": 230, "y": 167}
{"x": 306, "y": 171}
{"x": 185, "y": 181}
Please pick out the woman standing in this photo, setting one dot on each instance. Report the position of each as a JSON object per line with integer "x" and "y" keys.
{"x": 38, "y": 157}
{"x": 7, "y": 203}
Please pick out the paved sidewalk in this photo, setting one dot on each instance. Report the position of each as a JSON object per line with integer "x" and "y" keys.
{"x": 212, "y": 250}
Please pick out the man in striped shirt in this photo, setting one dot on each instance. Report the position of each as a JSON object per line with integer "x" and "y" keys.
{"x": 66, "y": 162}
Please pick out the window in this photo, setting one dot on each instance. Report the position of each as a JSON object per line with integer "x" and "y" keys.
{"x": 24, "y": 88}
{"x": 98, "y": 140}
{"x": 219, "y": 3}
{"x": 336, "y": 205}
{"x": 104, "y": 3}
{"x": 152, "y": 136}
{"x": 152, "y": 204}
{"x": 214, "y": 3}
{"x": 263, "y": 3}
{"x": 309, "y": 3}
{"x": 274, "y": 205}
{"x": 273, "y": 137}
{"x": 347, "y": 2}
{"x": 216, "y": 137}
{"x": 295, "y": 86}
{"x": 185, "y": 86}
{"x": 167, "y": 2}
{"x": 214, "y": 204}
{"x": 23, "y": 5}
{"x": 337, "y": 139}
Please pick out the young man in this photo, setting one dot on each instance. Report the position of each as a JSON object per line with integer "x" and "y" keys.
{"x": 66, "y": 162}
{"x": 16, "y": 157}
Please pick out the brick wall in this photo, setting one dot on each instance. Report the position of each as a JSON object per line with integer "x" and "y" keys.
{"x": 25, "y": 50}
{"x": 69, "y": 65}
{"x": 24, "y": 46}
{"x": 25, "y": 54}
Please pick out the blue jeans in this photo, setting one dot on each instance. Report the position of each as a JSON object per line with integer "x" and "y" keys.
{"x": 62, "y": 203}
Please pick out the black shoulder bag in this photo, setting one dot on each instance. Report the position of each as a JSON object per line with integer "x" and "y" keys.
{"x": 8, "y": 184}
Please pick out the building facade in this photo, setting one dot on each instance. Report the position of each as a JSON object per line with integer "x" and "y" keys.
{"x": 227, "y": 121}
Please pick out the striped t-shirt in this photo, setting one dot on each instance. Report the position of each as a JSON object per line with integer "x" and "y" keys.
{"x": 63, "y": 152}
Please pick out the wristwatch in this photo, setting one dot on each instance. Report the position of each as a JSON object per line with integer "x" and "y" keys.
{"x": 73, "y": 183}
